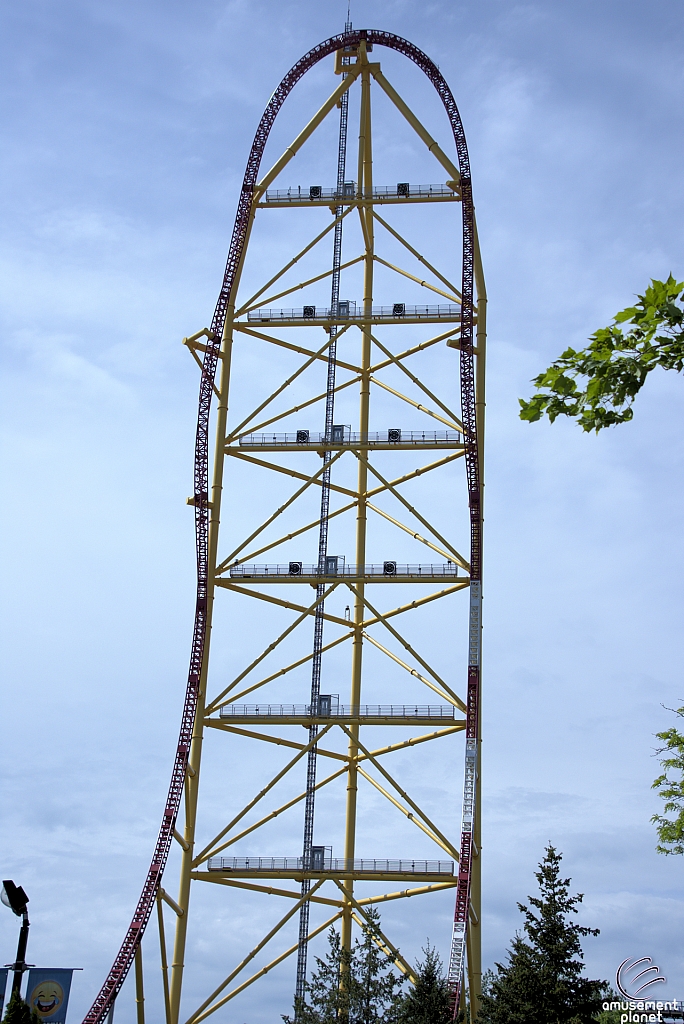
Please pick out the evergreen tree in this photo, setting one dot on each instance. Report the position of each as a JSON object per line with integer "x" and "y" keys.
{"x": 542, "y": 981}
{"x": 357, "y": 986}
{"x": 19, "y": 1012}
{"x": 374, "y": 988}
{"x": 427, "y": 1002}
{"x": 327, "y": 1001}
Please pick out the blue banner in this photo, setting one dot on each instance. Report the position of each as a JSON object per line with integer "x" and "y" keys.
{"x": 3, "y": 986}
{"x": 47, "y": 992}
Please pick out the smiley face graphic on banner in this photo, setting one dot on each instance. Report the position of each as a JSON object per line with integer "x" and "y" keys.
{"x": 48, "y": 994}
{"x": 46, "y": 998}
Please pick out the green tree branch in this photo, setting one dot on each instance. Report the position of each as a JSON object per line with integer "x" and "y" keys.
{"x": 597, "y": 385}
{"x": 671, "y": 830}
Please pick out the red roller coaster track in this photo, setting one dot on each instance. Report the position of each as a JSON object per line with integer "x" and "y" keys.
{"x": 124, "y": 959}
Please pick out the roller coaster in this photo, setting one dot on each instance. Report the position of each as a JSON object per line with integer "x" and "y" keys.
{"x": 369, "y": 348}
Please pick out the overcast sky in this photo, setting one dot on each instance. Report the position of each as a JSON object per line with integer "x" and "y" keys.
{"x": 127, "y": 127}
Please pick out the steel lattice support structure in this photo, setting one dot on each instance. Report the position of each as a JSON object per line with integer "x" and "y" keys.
{"x": 354, "y": 346}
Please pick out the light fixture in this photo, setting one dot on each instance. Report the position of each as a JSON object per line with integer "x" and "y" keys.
{"x": 14, "y": 897}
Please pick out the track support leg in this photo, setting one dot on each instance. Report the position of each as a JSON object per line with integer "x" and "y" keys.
{"x": 139, "y": 987}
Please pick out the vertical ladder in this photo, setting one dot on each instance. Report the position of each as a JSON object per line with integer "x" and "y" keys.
{"x": 322, "y": 554}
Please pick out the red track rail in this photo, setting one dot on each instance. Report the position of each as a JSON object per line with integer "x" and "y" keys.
{"x": 124, "y": 959}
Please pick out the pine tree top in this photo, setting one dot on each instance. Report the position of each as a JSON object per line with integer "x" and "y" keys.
{"x": 550, "y": 932}
{"x": 427, "y": 1002}
{"x": 542, "y": 982}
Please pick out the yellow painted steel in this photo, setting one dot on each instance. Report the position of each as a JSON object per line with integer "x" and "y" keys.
{"x": 330, "y": 876}
{"x": 416, "y": 124}
{"x": 139, "y": 988}
{"x": 416, "y": 380}
{"x": 446, "y": 335}
{"x": 357, "y": 764}
{"x": 304, "y": 284}
{"x": 264, "y": 970}
{"x": 311, "y": 127}
{"x": 358, "y": 201}
{"x": 414, "y": 252}
{"x": 163, "y": 959}
{"x": 364, "y": 182}
{"x": 474, "y": 948}
{"x": 301, "y": 719}
{"x": 295, "y": 259}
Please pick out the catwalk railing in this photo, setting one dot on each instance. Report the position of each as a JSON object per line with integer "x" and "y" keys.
{"x": 298, "y": 570}
{"x": 333, "y": 865}
{"x": 323, "y": 314}
{"x": 316, "y": 193}
{"x": 342, "y": 711}
{"x": 346, "y": 436}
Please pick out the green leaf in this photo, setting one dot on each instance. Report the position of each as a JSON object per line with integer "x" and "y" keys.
{"x": 596, "y": 385}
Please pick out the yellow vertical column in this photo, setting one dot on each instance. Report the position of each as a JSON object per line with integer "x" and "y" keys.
{"x": 139, "y": 988}
{"x": 365, "y": 187}
{"x": 193, "y": 774}
{"x": 194, "y": 761}
{"x": 474, "y": 929}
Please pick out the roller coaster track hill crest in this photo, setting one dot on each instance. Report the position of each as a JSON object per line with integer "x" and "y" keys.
{"x": 460, "y": 314}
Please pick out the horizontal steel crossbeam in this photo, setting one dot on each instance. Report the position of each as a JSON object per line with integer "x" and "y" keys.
{"x": 348, "y": 720}
{"x": 320, "y": 447}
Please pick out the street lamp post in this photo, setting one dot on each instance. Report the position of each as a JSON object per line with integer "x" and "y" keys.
{"x": 14, "y": 897}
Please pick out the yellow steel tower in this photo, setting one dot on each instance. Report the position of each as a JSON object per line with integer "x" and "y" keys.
{"x": 402, "y": 347}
